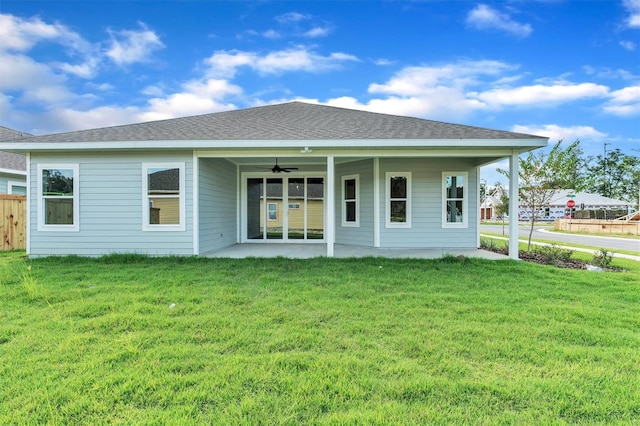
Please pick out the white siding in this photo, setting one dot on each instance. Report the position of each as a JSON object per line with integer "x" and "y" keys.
{"x": 362, "y": 235}
{"x": 110, "y": 196}
{"x": 218, "y": 214}
{"x": 426, "y": 217}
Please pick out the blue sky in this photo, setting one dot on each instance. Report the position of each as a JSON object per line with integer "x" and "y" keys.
{"x": 563, "y": 69}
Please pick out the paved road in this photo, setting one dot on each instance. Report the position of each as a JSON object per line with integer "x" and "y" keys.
{"x": 542, "y": 233}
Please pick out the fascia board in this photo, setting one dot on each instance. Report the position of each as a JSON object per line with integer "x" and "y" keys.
{"x": 520, "y": 144}
{"x": 13, "y": 172}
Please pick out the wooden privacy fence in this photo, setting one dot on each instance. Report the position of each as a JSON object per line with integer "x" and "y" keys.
{"x": 13, "y": 225}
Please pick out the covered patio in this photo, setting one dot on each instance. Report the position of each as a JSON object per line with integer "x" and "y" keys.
{"x": 306, "y": 251}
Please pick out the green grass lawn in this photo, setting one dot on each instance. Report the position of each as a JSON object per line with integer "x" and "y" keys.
{"x": 131, "y": 340}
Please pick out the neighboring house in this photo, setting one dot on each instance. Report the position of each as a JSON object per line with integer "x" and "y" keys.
{"x": 13, "y": 167}
{"x": 557, "y": 208}
{"x": 386, "y": 181}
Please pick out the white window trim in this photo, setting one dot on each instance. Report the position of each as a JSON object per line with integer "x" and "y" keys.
{"x": 388, "y": 200}
{"x": 355, "y": 223}
{"x": 75, "y": 227}
{"x": 146, "y": 226}
{"x": 465, "y": 200}
{"x": 12, "y": 183}
{"x": 269, "y": 211}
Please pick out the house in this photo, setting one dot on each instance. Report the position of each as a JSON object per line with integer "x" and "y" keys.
{"x": 557, "y": 207}
{"x": 293, "y": 172}
{"x": 13, "y": 167}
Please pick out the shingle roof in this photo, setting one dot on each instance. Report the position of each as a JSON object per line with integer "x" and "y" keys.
{"x": 9, "y": 160}
{"x": 560, "y": 197}
{"x": 288, "y": 121}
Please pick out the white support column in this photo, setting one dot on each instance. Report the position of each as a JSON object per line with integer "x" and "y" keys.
{"x": 195, "y": 203}
{"x": 376, "y": 202}
{"x": 479, "y": 211}
{"x": 330, "y": 231}
{"x": 514, "y": 172}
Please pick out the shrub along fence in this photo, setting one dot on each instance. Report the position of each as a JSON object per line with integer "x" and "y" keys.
{"x": 13, "y": 225}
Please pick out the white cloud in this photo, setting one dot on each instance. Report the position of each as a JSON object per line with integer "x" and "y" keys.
{"x": 317, "y": 32}
{"x": 129, "y": 46}
{"x": 292, "y": 17}
{"x": 484, "y": 17}
{"x": 65, "y": 119}
{"x": 383, "y": 62}
{"x": 539, "y": 94}
{"x": 555, "y": 132}
{"x": 628, "y": 45}
{"x": 412, "y": 81}
{"x": 633, "y": 7}
{"x": 226, "y": 63}
{"x": 624, "y": 102}
{"x": 271, "y": 34}
{"x": 456, "y": 90}
{"x": 35, "y": 82}
{"x": 196, "y": 97}
{"x": 19, "y": 34}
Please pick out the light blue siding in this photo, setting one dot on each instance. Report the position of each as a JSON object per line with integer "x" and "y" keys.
{"x": 111, "y": 202}
{"x": 5, "y": 178}
{"x": 362, "y": 235}
{"x": 426, "y": 226}
{"x": 218, "y": 205}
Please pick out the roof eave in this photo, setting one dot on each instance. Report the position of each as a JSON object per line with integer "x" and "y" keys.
{"x": 521, "y": 145}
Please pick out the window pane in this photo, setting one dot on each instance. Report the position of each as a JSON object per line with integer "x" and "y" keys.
{"x": 315, "y": 188}
{"x": 164, "y": 211}
{"x": 350, "y": 189}
{"x": 399, "y": 187}
{"x": 398, "y": 211}
{"x": 163, "y": 181}
{"x": 58, "y": 211}
{"x": 350, "y": 211}
{"x": 455, "y": 186}
{"x": 454, "y": 211}
{"x": 296, "y": 188}
{"x": 18, "y": 190}
{"x": 57, "y": 182}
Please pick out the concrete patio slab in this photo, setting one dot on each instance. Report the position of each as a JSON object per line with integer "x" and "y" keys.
{"x": 306, "y": 251}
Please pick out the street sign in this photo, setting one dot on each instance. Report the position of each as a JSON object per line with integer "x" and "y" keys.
{"x": 571, "y": 204}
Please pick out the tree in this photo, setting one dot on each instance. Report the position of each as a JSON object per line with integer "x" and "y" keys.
{"x": 616, "y": 175}
{"x": 502, "y": 206}
{"x": 542, "y": 174}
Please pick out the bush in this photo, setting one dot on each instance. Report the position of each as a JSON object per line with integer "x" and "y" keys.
{"x": 602, "y": 258}
{"x": 552, "y": 254}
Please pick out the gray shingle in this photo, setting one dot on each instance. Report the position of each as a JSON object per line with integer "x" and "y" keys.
{"x": 288, "y": 121}
{"x": 9, "y": 160}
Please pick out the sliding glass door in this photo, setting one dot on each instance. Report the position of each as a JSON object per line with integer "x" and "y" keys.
{"x": 285, "y": 208}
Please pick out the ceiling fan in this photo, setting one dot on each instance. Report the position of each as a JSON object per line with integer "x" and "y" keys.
{"x": 278, "y": 169}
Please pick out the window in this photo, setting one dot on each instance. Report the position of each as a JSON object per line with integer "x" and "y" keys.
{"x": 455, "y": 199}
{"x": 272, "y": 211}
{"x": 16, "y": 188}
{"x": 58, "y": 205}
{"x": 350, "y": 203}
{"x": 294, "y": 206}
{"x": 398, "y": 189}
{"x": 163, "y": 197}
